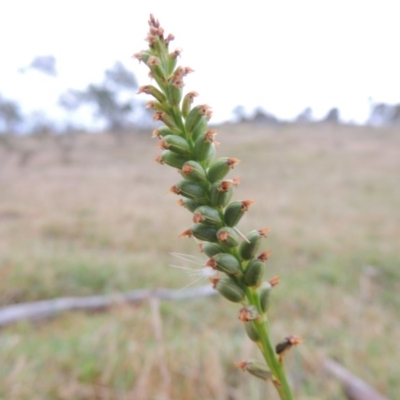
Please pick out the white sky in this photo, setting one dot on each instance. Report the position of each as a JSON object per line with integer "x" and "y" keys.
{"x": 284, "y": 55}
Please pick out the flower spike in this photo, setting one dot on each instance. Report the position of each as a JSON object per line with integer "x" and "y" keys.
{"x": 235, "y": 266}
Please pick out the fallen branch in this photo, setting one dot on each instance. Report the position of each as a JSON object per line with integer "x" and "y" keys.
{"x": 48, "y": 308}
{"x": 354, "y": 387}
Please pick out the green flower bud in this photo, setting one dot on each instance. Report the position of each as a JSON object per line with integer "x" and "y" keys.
{"x": 264, "y": 293}
{"x": 187, "y": 102}
{"x": 228, "y": 236}
{"x": 211, "y": 249}
{"x": 153, "y": 91}
{"x": 204, "y": 147}
{"x": 195, "y": 117}
{"x": 172, "y": 159}
{"x": 167, "y": 119}
{"x": 156, "y": 68}
{"x": 172, "y": 61}
{"x": 251, "y": 331}
{"x": 211, "y": 154}
{"x": 258, "y": 369}
{"x": 177, "y": 144}
{"x": 230, "y": 289}
{"x": 207, "y": 215}
{"x": 189, "y": 189}
{"x": 226, "y": 263}
{"x": 206, "y": 233}
{"x": 221, "y": 193}
{"x": 200, "y": 129}
{"x": 193, "y": 171}
{"x": 143, "y": 55}
{"x": 162, "y": 131}
{"x": 254, "y": 272}
{"x": 235, "y": 211}
{"x": 157, "y": 106}
{"x": 247, "y": 315}
{"x": 189, "y": 204}
{"x": 220, "y": 168}
{"x": 175, "y": 91}
{"x": 249, "y": 248}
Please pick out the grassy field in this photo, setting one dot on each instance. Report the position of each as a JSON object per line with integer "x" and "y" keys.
{"x": 103, "y": 222}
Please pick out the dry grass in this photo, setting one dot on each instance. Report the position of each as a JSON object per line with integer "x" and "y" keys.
{"x": 104, "y": 223}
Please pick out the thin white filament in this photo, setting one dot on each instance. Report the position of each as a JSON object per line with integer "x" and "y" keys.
{"x": 199, "y": 273}
{"x": 187, "y": 257}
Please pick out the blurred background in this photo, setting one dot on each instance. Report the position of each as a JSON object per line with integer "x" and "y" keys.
{"x": 306, "y": 94}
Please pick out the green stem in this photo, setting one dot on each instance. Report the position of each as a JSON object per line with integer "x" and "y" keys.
{"x": 267, "y": 349}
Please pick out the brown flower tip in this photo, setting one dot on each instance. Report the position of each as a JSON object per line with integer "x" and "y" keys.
{"x": 187, "y": 70}
{"x": 264, "y": 255}
{"x": 164, "y": 117}
{"x": 178, "y": 73}
{"x": 153, "y": 61}
{"x": 241, "y": 364}
{"x": 154, "y": 22}
{"x": 187, "y": 232}
{"x": 263, "y": 232}
{"x": 151, "y": 104}
{"x": 192, "y": 94}
{"x": 236, "y": 181}
{"x": 248, "y": 313}
{"x": 274, "y": 281}
{"x": 176, "y": 53}
{"x": 295, "y": 340}
{"x": 181, "y": 72}
{"x": 210, "y": 135}
{"x": 169, "y": 39}
{"x": 178, "y": 83}
{"x": 144, "y": 89}
{"x": 180, "y": 203}
{"x": 158, "y": 116}
{"x": 174, "y": 189}
{"x": 223, "y": 236}
{"x": 197, "y": 218}
{"x": 156, "y": 133}
{"x": 211, "y": 263}
{"x": 156, "y": 31}
{"x": 214, "y": 282}
{"x": 151, "y": 39}
{"x": 243, "y": 315}
{"x": 138, "y": 56}
{"x": 246, "y": 204}
{"x": 162, "y": 144}
{"x": 187, "y": 169}
{"x": 153, "y": 30}
{"x": 232, "y": 162}
{"x": 205, "y": 110}
{"x": 225, "y": 185}
{"x": 159, "y": 160}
